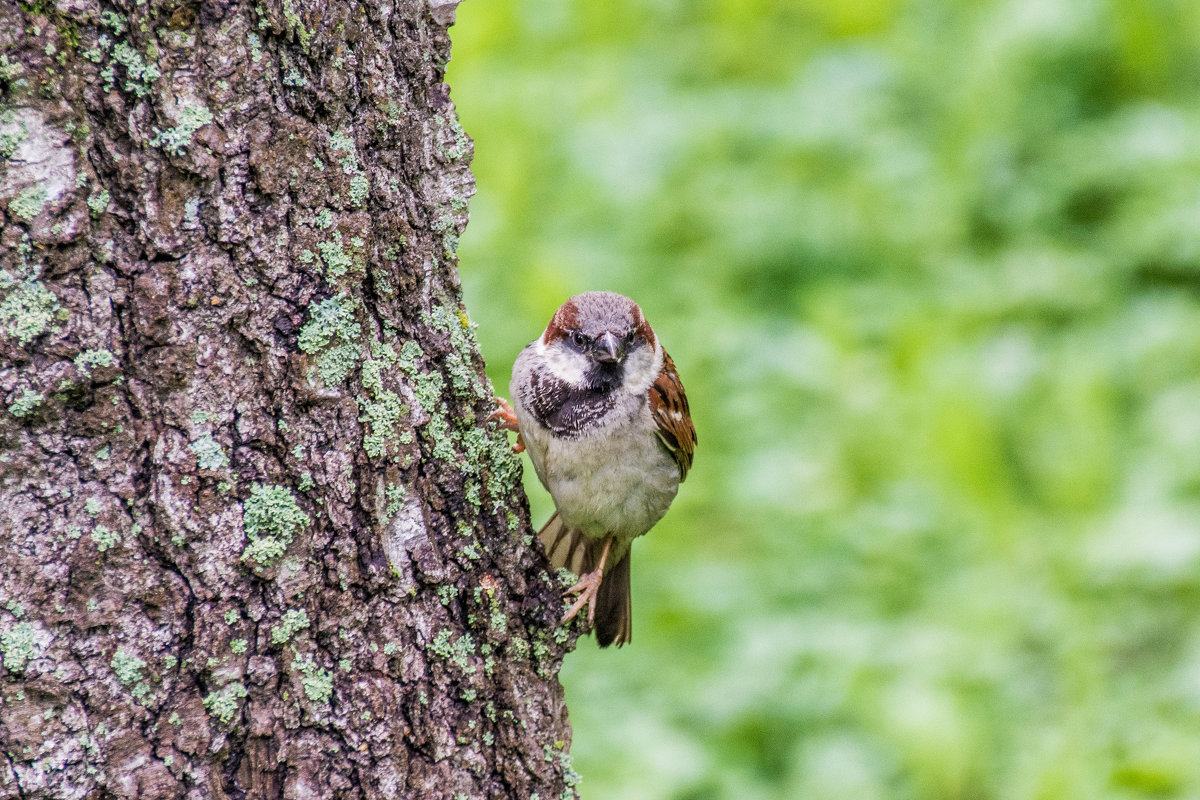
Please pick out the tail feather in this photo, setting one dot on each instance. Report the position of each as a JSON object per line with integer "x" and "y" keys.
{"x": 581, "y": 554}
{"x": 614, "y": 615}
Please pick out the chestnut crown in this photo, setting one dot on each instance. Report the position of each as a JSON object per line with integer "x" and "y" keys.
{"x": 604, "y": 326}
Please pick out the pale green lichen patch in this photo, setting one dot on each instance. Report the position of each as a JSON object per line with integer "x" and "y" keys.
{"x": 25, "y": 403}
{"x": 225, "y": 702}
{"x": 141, "y": 692}
{"x": 503, "y": 466}
{"x": 295, "y": 25}
{"x": 9, "y": 69}
{"x": 98, "y": 201}
{"x": 482, "y": 452}
{"x": 360, "y": 189}
{"x": 428, "y": 388}
{"x": 395, "y": 113}
{"x": 381, "y": 415}
{"x": 382, "y": 409}
{"x": 458, "y": 652}
{"x": 117, "y": 21}
{"x": 28, "y": 309}
{"x": 90, "y": 359}
{"x": 333, "y": 254}
{"x": 448, "y": 127}
{"x": 445, "y": 226}
{"x": 331, "y": 335}
{"x": 395, "y": 497}
{"x": 175, "y": 141}
{"x": 410, "y": 354}
{"x": 455, "y": 322}
{"x": 105, "y": 538}
{"x": 18, "y": 645}
{"x": 140, "y": 75}
{"x": 344, "y": 145}
{"x": 127, "y": 667}
{"x": 317, "y": 682}
{"x": 255, "y": 41}
{"x": 12, "y": 133}
{"x": 271, "y": 517}
{"x": 570, "y": 777}
{"x": 28, "y": 204}
{"x": 209, "y": 455}
{"x": 438, "y": 431}
{"x": 294, "y": 619}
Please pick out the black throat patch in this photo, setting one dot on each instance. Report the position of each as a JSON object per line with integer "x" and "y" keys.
{"x": 565, "y": 409}
{"x": 605, "y": 377}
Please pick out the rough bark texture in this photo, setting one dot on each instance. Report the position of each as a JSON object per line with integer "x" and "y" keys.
{"x": 256, "y": 540}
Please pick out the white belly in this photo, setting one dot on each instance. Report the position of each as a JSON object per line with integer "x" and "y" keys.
{"x": 621, "y": 482}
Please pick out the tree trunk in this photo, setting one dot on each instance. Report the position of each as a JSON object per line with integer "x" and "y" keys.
{"x": 256, "y": 539}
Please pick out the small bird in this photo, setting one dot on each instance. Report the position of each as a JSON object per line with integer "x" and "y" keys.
{"x": 598, "y": 404}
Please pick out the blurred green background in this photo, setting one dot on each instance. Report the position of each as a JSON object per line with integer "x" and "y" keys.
{"x": 931, "y": 274}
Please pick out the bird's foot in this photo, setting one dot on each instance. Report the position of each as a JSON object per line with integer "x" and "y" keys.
{"x": 506, "y": 415}
{"x": 508, "y": 422}
{"x": 587, "y": 588}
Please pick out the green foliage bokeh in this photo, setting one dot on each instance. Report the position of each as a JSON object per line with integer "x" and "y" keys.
{"x": 931, "y": 274}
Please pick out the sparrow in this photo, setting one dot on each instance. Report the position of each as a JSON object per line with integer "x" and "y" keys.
{"x": 599, "y": 407}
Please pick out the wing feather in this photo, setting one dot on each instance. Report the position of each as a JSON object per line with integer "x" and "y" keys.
{"x": 669, "y": 406}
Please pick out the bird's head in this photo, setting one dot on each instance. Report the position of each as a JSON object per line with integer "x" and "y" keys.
{"x": 601, "y": 340}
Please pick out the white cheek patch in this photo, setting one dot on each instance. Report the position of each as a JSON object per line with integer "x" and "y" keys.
{"x": 567, "y": 365}
{"x": 642, "y": 367}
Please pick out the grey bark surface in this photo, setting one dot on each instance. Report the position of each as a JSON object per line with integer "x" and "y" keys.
{"x": 256, "y": 540}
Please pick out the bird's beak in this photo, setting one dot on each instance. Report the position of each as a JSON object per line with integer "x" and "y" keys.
{"x": 608, "y": 349}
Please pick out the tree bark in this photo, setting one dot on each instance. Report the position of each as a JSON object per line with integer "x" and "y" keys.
{"x": 257, "y": 541}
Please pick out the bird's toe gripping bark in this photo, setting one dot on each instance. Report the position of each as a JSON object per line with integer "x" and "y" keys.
{"x": 508, "y": 422}
{"x": 587, "y": 589}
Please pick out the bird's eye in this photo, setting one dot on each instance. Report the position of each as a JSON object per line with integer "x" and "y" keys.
{"x": 578, "y": 339}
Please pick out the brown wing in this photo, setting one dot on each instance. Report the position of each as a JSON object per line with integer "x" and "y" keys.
{"x": 669, "y": 405}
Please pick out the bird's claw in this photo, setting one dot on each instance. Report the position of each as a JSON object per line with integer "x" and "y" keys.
{"x": 506, "y": 415}
{"x": 587, "y": 588}
{"x": 508, "y": 422}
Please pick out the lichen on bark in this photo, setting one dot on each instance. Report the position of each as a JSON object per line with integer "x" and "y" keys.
{"x": 261, "y": 549}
